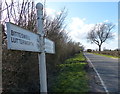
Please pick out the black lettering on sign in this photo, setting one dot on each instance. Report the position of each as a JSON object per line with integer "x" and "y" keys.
{"x": 14, "y": 40}
{"x": 19, "y": 35}
{"x": 23, "y": 42}
{"x": 12, "y": 32}
{"x": 20, "y": 41}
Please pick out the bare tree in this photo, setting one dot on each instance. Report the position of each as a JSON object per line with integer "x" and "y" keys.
{"x": 100, "y": 33}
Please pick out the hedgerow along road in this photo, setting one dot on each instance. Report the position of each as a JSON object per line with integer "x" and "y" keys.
{"x": 107, "y": 69}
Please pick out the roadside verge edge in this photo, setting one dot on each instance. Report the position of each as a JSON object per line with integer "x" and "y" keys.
{"x": 91, "y": 65}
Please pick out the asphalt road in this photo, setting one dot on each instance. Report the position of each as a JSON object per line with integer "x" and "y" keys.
{"x": 107, "y": 69}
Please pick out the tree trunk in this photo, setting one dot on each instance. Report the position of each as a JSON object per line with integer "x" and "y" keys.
{"x": 99, "y": 47}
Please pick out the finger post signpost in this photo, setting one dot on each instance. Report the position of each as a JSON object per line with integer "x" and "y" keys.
{"x": 22, "y": 39}
{"x": 42, "y": 64}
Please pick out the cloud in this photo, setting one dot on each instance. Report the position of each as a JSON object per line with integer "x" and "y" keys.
{"x": 78, "y": 29}
{"x": 115, "y": 34}
{"x": 52, "y": 12}
{"x": 77, "y": 23}
{"x": 106, "y": 21}
{"x": 49, "y": 11}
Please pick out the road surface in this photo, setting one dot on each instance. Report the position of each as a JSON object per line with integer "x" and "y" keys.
{"x": 107, "y": 68}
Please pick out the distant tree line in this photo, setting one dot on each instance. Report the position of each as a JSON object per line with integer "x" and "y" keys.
{"x": 115, "y": 52}
{"x": 91, "y": 50}
{"x": 20, "y": 68}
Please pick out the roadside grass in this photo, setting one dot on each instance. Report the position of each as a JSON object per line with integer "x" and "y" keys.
{"x": 106, "y": 55}
{"x": 72, "y": 76}
{"x": 77, "y": 58}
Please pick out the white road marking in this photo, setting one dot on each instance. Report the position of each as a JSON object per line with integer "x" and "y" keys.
{"x": 102, "y": 82}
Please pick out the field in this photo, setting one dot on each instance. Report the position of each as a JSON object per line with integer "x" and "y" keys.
{"x": 108, "y": 53}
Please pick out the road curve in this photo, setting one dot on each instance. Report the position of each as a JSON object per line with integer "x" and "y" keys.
{"x": 107, "y": 68}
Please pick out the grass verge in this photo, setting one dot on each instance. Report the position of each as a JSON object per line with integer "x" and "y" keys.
{"x": 72, "y": 76}
{"x": 106, "y": 55}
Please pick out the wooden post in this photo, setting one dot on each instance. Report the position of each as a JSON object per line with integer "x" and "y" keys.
{"x": 0, "y": 58}
{"x": 41, "y": 56}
